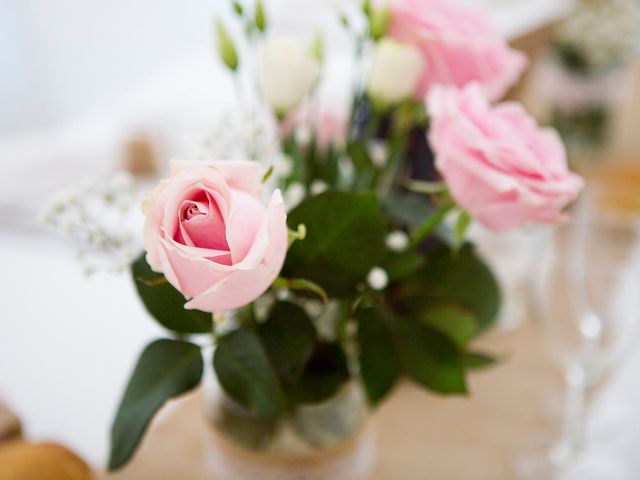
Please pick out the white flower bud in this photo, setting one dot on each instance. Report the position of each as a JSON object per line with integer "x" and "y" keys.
{"x": 397, "y": 241}
{"x": 290, "y": 72}
{"x": 396, "y": 72}
{"x": 378, "y": 279}
{"x": 294, "y": 194}
{"x": 318, "y": 187}
{"x": 378, "y": 152}
{"x": 283, "y": 166}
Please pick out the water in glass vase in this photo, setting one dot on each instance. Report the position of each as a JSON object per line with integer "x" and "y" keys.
{"x": 325, "y": 441}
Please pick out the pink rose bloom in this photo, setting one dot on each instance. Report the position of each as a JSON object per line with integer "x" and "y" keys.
{"x": 328, "y": 126}
{"x": 459, "y": 46}
{"x": 208, "y": 232}
{"x": 498, "y": 164}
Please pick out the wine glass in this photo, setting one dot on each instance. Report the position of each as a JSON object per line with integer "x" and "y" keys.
{"x": 585, "y": 296}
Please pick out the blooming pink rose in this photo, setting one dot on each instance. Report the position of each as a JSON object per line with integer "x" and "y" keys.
{"x": 208, "y": 232}
{"x": 459, "y": 46}
{"x": 498, "y": 164}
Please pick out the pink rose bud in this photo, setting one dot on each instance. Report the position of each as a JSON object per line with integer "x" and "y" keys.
{"x": 458, "y": 44}
{"x": 498, "y": 164}
{"x": 208, "y": 232}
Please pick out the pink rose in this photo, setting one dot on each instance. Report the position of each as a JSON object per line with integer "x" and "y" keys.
{"x": 498, "y": 164}
{"x": 208, "y": 232}
{"x": 329, "y": 126}
{"x": 459, "y": 46}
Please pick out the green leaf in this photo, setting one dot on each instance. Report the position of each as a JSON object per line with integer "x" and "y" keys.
{"x": 479, "y": 361}
{"x": 345, "y": 240}
{"x": 267, "y": 175}
{"x": 378, "y": 364}
{"x": 453, "y": 278}
{"x": 458, "y": 324}
{"x": 244, "y": 371}
{"x": 238, "y": 8}
{"x": 289, "y": 338}
{"x": 429, "y": 357}
{"x": 408, "y": 209}
{"x": 359, "y": 156}
{"x": 317, "y": 48}
{"x": 366, "y": 7}
{"x": 325, "y": 373}
{"x": 402, "y": 265}
{"x": 380, "y": 22}
{"x": 261, "y": 19}
{"x": 166, "y": 369}
{"x": 165, "y": 303}
{"x": 460, "y": 230}
{"x": 226, "y": 48}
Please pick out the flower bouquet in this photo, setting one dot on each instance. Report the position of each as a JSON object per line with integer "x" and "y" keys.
{"x": 309, "y": 307}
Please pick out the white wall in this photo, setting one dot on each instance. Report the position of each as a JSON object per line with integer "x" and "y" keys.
{"x": 63, "y": 58}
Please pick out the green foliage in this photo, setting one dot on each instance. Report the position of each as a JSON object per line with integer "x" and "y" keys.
{"x": 479, "y": 361}
{"x": 450, "y": 277}
{"x": 289, "y": 338}
{"x": 378, "y": 364}
{"x": 260, "y": 18}
{"x": 380, "y": 22}
{"x": 165, "y": 303}
{"x": 301, "y": 285}
{"x": 246, "y": 375}
{"x": 408, "y": 209}
{"x": 317, "y": 47}
{"x": 363, "y": 165}
{"x": 429, "y": 226}
{"x": 238, "y": 8}
{"x": 429, "y": 357}
{"x": 226, "y": 47}
{"x": 460, "y": 231}
{"x": 455, "y": 322}
{"x": 323, "y": 376}
{"x": 166, "y": 369}
{"x": 403, "y": 265}
{"x": 345, "y": 239}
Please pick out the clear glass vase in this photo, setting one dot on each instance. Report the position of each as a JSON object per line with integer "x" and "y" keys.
{"x": 326, "y": 441}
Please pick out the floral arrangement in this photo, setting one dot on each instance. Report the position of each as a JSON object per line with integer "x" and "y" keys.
{"x": 360, "y": 272}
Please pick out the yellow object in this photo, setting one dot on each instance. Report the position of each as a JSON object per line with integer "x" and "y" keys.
{"x": 41, "y": 461}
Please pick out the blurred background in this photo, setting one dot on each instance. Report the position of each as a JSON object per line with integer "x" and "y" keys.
{"x": 88, "y": 88}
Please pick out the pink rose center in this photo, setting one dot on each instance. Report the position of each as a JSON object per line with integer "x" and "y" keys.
{"x": 201, "y": 225}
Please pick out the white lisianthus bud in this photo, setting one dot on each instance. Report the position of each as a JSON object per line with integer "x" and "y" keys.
{"x": 396, "y": 72}
{"x": 378, "y": 279}
{"x": 290, "y": 72}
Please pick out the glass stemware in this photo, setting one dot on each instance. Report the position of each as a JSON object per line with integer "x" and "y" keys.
{"x": 586, "y": 300}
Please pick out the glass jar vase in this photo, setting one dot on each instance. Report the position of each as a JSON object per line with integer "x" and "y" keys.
{"x": 326, "y": 441}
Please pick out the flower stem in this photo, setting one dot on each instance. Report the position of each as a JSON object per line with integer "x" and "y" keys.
{"x": 430, "y": 225}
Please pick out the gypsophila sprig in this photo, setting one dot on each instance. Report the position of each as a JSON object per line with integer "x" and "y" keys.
{"x": 100, "y": 217}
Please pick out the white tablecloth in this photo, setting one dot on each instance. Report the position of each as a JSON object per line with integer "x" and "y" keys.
{"x": 67, "y": 343}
